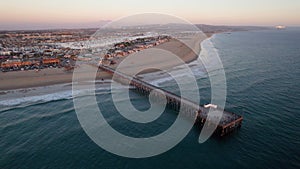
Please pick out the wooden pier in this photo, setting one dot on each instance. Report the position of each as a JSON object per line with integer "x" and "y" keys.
{"x": 228, "y": 123}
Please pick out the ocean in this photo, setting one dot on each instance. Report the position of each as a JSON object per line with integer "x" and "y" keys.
{"x": 263, "y": 84}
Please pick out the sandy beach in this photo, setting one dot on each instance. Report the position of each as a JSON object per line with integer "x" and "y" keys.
{"x": 46, "y": 77}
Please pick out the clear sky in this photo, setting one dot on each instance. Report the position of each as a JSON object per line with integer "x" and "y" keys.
{"x": 219, "y": 12}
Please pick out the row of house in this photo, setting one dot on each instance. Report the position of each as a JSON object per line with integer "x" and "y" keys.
{"x": 14, "y": 65}
{"x": 125, "y": 48}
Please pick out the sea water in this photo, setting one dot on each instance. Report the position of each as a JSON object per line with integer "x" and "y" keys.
{"x": 263, "y": 84}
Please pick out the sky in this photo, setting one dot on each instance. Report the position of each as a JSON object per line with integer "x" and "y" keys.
{"x": 18, "y": 13}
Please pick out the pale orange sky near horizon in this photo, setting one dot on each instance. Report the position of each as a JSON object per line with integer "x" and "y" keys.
{"x": 218, "y": 12}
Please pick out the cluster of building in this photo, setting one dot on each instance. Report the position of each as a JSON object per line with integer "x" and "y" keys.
{"x": 125, "y": 48}
{"x": 25, "y": 50}
{"x": 34, "y": 50}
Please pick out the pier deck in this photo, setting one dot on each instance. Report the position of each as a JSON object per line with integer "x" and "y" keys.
{"x": 228, "y": 123}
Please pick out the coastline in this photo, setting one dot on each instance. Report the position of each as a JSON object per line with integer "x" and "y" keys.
{"x": 25, "y": 80}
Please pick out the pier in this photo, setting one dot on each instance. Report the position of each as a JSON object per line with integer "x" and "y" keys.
{"x": 228, "y": 123}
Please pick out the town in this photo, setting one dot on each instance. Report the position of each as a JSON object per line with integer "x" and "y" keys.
{"x": 34, "y": 50}
{"x": 21, "y": 51}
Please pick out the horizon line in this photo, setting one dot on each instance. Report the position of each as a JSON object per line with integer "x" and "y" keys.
{"x": 78, "y": 26}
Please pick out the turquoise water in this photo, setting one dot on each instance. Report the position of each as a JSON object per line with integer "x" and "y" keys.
{"x": 263, "y": 78}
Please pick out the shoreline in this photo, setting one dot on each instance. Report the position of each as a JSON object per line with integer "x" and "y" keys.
{"x": 25, "y": 80}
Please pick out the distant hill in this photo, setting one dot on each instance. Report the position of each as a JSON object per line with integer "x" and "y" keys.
{"x": 216, "y": 29}
{"x": 94, "y": 26}
{"x": 51, "y": 26}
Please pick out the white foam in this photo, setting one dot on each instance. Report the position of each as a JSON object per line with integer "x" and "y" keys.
{"x": 50, "y": 93}
{"x": 39, "y": 98}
